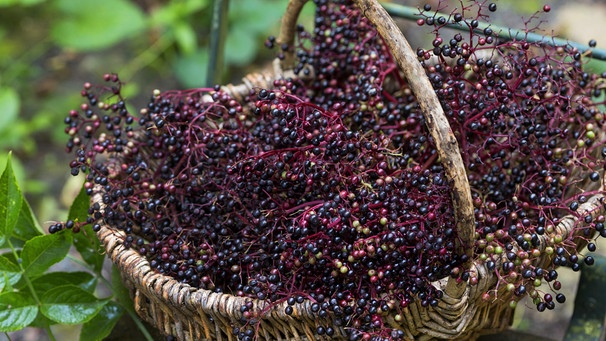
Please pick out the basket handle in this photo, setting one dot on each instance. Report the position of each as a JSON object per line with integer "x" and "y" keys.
{"x": 288, "y": 28}
{"x": 446, "y": 143}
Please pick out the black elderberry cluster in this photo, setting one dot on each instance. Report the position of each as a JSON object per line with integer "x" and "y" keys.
{"x": 306, "y": 191}
{"x": 330, "y": 189}
{"x": 530, "y": 125}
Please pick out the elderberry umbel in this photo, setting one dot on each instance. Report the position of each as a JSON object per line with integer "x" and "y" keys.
{"x": 530, "y": 125}
{"x": 331, "y": 190}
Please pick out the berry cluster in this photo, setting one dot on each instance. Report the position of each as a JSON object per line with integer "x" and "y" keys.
{"x": 330, "y": 189}
{"x": 528, "y": 120}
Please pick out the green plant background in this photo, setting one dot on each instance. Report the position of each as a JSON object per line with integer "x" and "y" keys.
{"x": 49, "y": 48}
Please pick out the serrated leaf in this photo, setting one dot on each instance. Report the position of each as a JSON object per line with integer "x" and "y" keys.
{"x": 9, "y": 273}
{"x": 9, "y": 105}
{"x": 86, "y": 242}
{"x": 27, "y": 226}
{"x": 16, "y": 165}
{"x": 12, "y": 259}
{"x": 69, "y": 304}
{"x": 103, "y": 323}
{"x": 11, "y": 200}
{"x": 51, "y": 280}
{"x": 41, "y": 252}
{"x": 11, "y": 256}
{"x": 17, "y": 311}
{"x": 78, "y": 211}
{"x": 41, "y": 321}
{"x": 93, "y": 25}
{"x": 191, "y": 69}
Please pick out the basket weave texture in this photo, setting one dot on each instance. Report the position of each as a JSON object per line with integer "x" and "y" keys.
{"x": 195, "y": 314}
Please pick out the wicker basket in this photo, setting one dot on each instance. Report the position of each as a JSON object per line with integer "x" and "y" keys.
{"x": 194, "y": 314}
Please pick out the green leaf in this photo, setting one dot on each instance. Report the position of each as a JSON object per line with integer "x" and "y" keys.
{"x": 41, "y": 252}
{"x": 51, "y": 280}
{"x": 103, "y": 323}
{"x": 17, "y": 311}
{"x": 246, "y": 31}
{"x": 174, "y": 12}
{"x": 241, "y": 46}
{"x": 41, "y": 321}
{"x": 9, "y": 273}
{"x": 69, "y": 304}
{"x": 16, "y": 165}
{"x": 185, "y": 37}
{"x": 86, "y": 242}
{"x": 121, "y": 293}
{"x": 191, "y": 69}
{"x": 9, "y": 106}
{"x": 5, "y": 285}
{"x": 11, "y": 256}
{"x": 587, "y": 321}
{"x": 93, "y": 25}
{"x": 246, "y": 16}
{"x": 27, "y": 226}
{"x": 11, "y": 200}
{"x": 78, "y": 211}
{"x": 88, "y": 246}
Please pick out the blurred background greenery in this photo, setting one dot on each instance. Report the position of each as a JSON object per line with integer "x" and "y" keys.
{"x": 49, "y": 48}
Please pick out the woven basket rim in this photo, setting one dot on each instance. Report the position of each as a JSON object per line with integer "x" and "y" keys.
{"x": 137, "y": 270}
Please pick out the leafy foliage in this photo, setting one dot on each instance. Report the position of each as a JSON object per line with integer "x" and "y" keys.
{"x": 91, "y": 25}
{"x": 100, "y": 326}
{"x": 33, "y": 296}
{"x": 69, "y": 304}
{"x": 10, "y": 202}
{"x": 86, "y": 243}
{"x": 17, "y": 310}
